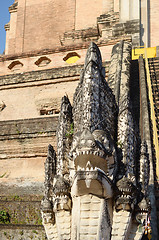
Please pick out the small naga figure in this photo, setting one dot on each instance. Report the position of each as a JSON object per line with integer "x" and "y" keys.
{"x": 96, "y": 185}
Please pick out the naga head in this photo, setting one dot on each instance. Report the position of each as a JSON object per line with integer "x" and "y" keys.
{"x": 93, "y": 153}
{"x": 94, "y": 150}
{"x": 61, "y": 198}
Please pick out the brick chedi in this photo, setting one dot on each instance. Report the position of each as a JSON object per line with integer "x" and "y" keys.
{"x": 46, "y": 45}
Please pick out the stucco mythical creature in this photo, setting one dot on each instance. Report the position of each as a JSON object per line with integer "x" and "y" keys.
{"x": 91, "y": 188}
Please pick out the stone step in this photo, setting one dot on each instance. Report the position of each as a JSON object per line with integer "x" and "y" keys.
{"x": 157, "y": 197}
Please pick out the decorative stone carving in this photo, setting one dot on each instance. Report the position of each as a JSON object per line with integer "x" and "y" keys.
{"x": 64, "y": 136}
{"x": 14, "y": 7}
{"x": 15, "y": 65}
{"x": 71, "y": 57}
{"x": 94, "y": 187}
{"x": 2, "y": 106}
{"x": 143, "y": 208}
{"x": 43, "y": 61}
{"x": 7, "y": 26}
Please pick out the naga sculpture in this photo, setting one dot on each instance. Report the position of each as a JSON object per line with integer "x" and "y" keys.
{"x": 96, "y": 185}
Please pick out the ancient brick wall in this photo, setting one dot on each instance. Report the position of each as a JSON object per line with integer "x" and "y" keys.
{"x": 22, "y": 154}
{"x": 24, "y": 35}
{"x": 85, "y": 18}
{"x": 25, "y": 95}
{"x": 153, "y": 20}
{"x": 52, "y": 58}
{"x": 39, "y": 26}
{"x": 23, "y": 219}
{"x": 36, "y": 25}
{"x": 37, "y": 93}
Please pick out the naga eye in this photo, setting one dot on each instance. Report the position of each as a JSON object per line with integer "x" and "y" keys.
{"x": 83, "y": 141}
{"x": 93, "y": 144}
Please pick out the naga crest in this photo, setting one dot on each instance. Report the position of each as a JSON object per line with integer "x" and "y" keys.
{"x": 91, "y": 183}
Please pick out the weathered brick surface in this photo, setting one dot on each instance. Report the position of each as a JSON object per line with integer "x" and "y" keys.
{"x": 11, "y": 129}
{"x": 23, "y": 150}
{"x": 22, "y": 210}
{"x": 25, "y": 95}
{"x": 25, "y": 35}
{"x": 85, "y": 18}
{"x": 35, "y": 76}
{"x": 22, "y": 232}
{"x": 154, "y": 27}
{"x": 21, "y": 63}
{"x": 129, "y": 27}
{"x": 46, "y": 15}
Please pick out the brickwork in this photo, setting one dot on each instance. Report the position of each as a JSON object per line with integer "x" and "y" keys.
{"x": 116, "y": 5}
{"x": 85, "y": 19}
{"x": 22, "y": 210}
{"x": 24, "y": 35}
{"x": 22, "y": 232}
{"x": 31, "y": 14}
{"x": 24, "y": 217}
{"x": 27, "y": 61}
{"x": 22, "y": 155}
{"x": 53, "y": 31}
{"x": 12, "y": 32}
{"x": 154, "y": 27}
{"x": 24, "y": 146}
{"x": 34, "y": 91}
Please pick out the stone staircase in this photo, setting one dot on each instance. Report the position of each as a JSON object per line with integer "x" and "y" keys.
{"x": 157, "y": 198}
{"x": 154, "y": 75}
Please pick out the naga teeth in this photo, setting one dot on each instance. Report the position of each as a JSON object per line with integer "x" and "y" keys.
{"x": 88, "y": 167}
{"x": 74, "y": 155}
{"x": 78, "y": 168}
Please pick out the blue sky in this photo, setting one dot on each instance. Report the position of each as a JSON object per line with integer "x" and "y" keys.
{"x": 4, "y": 18}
